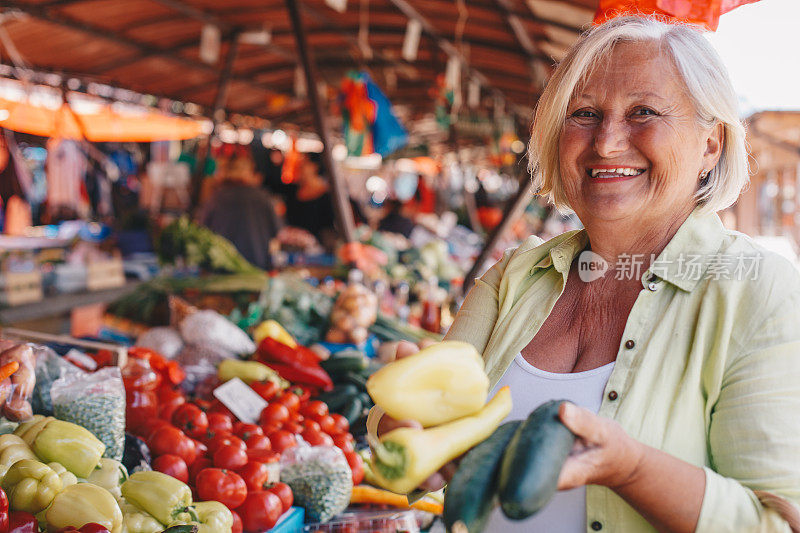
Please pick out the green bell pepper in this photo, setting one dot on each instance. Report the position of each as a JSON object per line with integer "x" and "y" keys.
{"x": 160, "y": 495}
{"x": 69, "y": 444}
{"x": 31, "y": 486}
{"x": 81, "y": 504}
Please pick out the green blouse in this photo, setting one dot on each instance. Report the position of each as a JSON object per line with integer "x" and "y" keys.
{"x": 708, "y": 368}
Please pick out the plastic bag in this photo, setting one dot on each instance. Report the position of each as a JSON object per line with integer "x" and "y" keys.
{"x": 166, "y": 341}
{"x": 49, "y": 367}
{"x": 95, "y": 401}
{"x": 320, "y": 480}
{"x": 200, "y": 362}
{"x": 210, "y": 327}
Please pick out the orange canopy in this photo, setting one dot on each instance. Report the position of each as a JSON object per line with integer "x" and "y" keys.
{"x": 703, "y": 12}
{"x": 106, "y": 125}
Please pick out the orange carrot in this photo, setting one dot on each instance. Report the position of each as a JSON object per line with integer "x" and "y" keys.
{"x": 375, "y": 496}
{"x": 7, "y": 369}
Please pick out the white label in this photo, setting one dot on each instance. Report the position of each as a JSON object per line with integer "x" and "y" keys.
{"x": 337, "y": 5}
{"x": 210, "y": 42}
{"x": 242, "y": 401}
{"x": 411, "y": 41}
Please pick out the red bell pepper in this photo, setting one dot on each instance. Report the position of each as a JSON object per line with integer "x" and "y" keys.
{"x": 270, "y": 350}
{"x": 314, "y": 376}
{"x": 22, "y": 522}
{"x": 3, "y": 511}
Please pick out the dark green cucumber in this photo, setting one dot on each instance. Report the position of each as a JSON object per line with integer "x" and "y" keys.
{"x": 470, "y": 495}
{"x": 356, "y": 379}
{"x": 340, "y": 365}
{"x": 352, "y": 409}
{"x": 531, "y": 465}
{"x": 339, "y": 396}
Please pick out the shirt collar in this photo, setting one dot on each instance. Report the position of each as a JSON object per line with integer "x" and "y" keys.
{"x": 683, "y": 262}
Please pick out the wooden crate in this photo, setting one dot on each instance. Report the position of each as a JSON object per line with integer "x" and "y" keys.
{"x": 17, "y": 288}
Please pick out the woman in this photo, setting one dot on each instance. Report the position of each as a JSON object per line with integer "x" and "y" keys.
{"x": 684, "y": 364}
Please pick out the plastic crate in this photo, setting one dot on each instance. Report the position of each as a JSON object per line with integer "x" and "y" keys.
{"x": 290, "y": 522}
{"x": 366, "y": 521}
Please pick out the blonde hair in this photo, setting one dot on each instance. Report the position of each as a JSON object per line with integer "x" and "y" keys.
{"x": 704, "y": 76}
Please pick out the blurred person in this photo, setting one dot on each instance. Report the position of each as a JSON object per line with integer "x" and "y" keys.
{"x": 241, "y": 211}
{"x": 395, "y": 221}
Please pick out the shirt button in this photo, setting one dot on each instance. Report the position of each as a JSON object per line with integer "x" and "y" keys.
{"x": 652, "y": 286}
{"x": 597, "y": 526}
{"x": 629, "y": 344}
{"x": 613, "y": 395}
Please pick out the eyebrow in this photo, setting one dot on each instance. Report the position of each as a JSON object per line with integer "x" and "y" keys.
{"x": 585, "y": 96}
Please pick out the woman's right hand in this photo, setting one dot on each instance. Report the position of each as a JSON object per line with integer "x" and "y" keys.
{"x": 387, "y": 423}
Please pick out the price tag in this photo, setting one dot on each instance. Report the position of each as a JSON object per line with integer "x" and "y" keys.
{"x": 241, "y": 400}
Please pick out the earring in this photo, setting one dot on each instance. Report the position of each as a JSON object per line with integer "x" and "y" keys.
{"x": 704, "y": 174}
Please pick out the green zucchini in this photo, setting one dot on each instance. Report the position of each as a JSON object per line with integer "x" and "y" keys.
{"x": 356, "y": 379}
{"x": 532, "y": 463}
{"x": 340, "y": 365}
{"x": 339, "y": 396}
{"x": 352, "y": 409}
{"x": 366, "y": 401}
{"x": 470, "y": 495}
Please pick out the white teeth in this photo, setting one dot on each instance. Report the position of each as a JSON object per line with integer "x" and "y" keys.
{"x": 618, "y": 171}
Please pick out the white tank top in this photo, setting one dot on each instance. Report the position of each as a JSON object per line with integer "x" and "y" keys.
{"x": 531, "y": 387}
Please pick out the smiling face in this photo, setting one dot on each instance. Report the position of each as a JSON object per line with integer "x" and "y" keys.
{"x": 631, "y": 147}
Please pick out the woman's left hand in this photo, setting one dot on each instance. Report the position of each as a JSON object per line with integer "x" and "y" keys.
{"x": 603, "y": 453}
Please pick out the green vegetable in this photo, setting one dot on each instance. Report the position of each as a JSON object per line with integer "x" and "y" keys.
{"x": 321, "y": 485}
{"x": 102, "y": 414}
{"x": 470, "y": 495}
{"x": 342, "y": 364}
{"x": 339, "y": 396}
{"x": 352, "y": 409}
{"x": 356, "y": 379}
{"x": 531, "y": 465}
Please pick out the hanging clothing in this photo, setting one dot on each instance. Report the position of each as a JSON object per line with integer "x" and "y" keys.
{"x": 66, "y": 173}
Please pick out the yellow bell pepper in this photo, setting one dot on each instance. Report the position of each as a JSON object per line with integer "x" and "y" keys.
{"x": 110, "y": 475}
{"x": 13, "y": 449}
{"x": 67, "y": 478}
{"x": 81, "y": 504}
{"x": 212, "y": 517}
{"x": 247, "y": 371}
{"x": 405, "y": 457}
{"x": 160, "y": 495}
{"x": 438, "y": 384}
{"x": 29, "y": 430}
{"x": 270, "y": 328}
{"x": 31, "y": 486}
{"x": 134, "y": 520}
{"x": 69, "y": 444}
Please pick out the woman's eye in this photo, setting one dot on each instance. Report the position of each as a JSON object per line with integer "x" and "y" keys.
{"x": 644, "y": 112}
{"x": 584, "y": 113}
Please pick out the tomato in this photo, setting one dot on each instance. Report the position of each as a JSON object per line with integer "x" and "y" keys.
{"x": 344, "y": 441}
{"x": 168, "y": 439}
{"x": 282, "y": 440}
{"x": 172, "y": 465}
{"x": 255, "y": 475}
{"x": 304, "y": 393}
{"x": 200, "y": 464}
{"x": 341, "y": 425}
{"x": 282, "y": 491}
{"x": 326, "y": 424}
{"x": 168, "y": 400}
{"x": 270, "y": 428}
{"x": 356, "y": 466}
{"x": 258, "y": 442}
{"x": 266, "y": 389}
{"x": 147, "y": 428}
{"x": 190, "y": 419}
{"x": 219, "y": 423}
{"x": 290, "y": 400}
{"x": 263, "y": 456}
{"x": 311, "y": 424}
{"x": 243, "y": 431}
{"x": 223, "y": 439}
{"x": 274, "y": 413}
{"x": 219, "y": 407}
{"x": 292, "y": 427}
{"x": 200, "y": 448}
{"x": 313, "y": 437}
{"x": 224, "y": 486}
{"x": 230, "y": 456}
{"x": 260, "y": 511}
{"x": 314, "y": 409}
{"x": 237, "y": 523}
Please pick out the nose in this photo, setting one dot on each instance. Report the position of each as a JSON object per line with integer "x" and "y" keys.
{"x": 611, "y": 137}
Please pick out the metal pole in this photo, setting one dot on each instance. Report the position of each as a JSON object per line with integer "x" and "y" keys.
{"x": 513, "y": 210}
{"x": 341, "y": 199}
